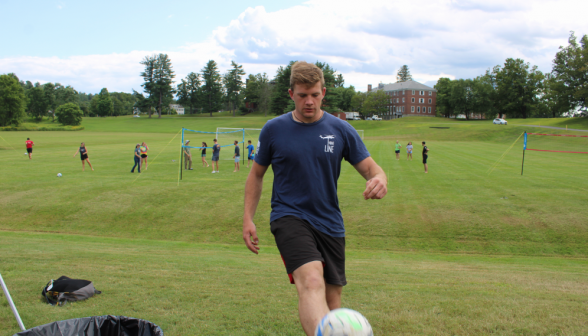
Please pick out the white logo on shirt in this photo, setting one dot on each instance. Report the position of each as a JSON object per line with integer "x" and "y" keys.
{"x": 330, "y": 146}
{"x": 257, "y": 149}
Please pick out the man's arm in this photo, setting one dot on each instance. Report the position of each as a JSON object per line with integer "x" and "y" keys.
{"x": 253, "y": 188}
{"x": 376, "y": 186}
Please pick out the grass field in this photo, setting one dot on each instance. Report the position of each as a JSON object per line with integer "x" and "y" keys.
{"x": 456, "y": 251}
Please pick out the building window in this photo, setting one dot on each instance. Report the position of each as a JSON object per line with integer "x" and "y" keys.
{"x": 412, "y": 109}
{"x": 430, "y": 93}
{"x": 412, "y": 100}
{"x": 403, "y": 93}
{"x": 421, "y": 100}
{"x": 402, "y": 108}
{"x": 403, "y": 99}
{"x": 413, "y": 92}
{"x": 418, "y": 109}
{"x": 429, "y": 110}
{"x": 430, "y": 100}
{"x": 422, "y": 93}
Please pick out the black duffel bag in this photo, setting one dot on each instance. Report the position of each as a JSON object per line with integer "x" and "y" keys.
{"x": 58, "y": 292}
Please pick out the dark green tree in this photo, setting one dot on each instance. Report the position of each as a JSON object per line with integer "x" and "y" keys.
{"x": 141, "y": 103}
{"x": 12, "y": 100}
{"x": 102, "y": 104}
{"x": 189, "y": 92}
{"x": 37, "y": 105}
{"x": 233, "y": 81}
{"x": 557, "y": 96}
{"x": 212, "y": 88}
{"x": 164, "y": 75}
{"x": 443, "y": 106}
{"x": 69, "y": 114}
{"x": 49, "y": 90}
{"x": 149, "y": 84}
{"x": 570, "y": 72}
{"x": 280, "y": 96}
{"x": 375, "y": 103}
{"x": 403, "y": 74}
{"x": 357, "y": 102}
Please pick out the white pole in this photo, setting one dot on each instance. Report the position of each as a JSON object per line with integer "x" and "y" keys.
{"x": 5, "y": 289}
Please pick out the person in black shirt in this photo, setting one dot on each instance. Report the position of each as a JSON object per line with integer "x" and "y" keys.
{"x": 236, "y": 156}
{"x": 203, "y": 155}
{"x": 425, "y": 157}
{"x": 84, "y": 156}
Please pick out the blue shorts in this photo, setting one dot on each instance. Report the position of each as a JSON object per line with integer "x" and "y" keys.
{"x": 250, "y": 157}
{"x": 237, "y": 158}
{"x": 215, "y": 158}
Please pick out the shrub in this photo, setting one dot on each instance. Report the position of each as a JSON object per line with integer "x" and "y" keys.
{"x": 69, "y": 114}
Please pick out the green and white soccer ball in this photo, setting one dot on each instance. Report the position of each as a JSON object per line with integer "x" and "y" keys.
{"x": 58, "y": 174}
{"x": 344, "y": 322}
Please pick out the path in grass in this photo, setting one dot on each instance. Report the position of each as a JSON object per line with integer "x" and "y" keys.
{"x": 207, "y": 289}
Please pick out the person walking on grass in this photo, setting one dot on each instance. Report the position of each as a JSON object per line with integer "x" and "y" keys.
{"x": 137, "y": 157}
{"x": 187, "y": 157}
{"x": 236, "y": 156}
{"x": 215, "y": 156}
{"x": 250, "y": 154}
{"x": 84, "y": 156}
{"x": 425, "y": 157}
{"x": 397, "y": 150}
{"x": 306, "y": 220}
{"x": 29, "y": 143}
{"x": 144, "y": 149}
{"x": 203, "y": 154}
{"x": 409, "y": 151}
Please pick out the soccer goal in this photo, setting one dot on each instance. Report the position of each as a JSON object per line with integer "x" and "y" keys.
{"x": 573, "y": 144}
{"x": 360, "y": 132}
{"x": 226, "y": 136}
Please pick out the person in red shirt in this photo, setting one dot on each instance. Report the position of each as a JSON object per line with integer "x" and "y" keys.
{"x": 30, "y": 145}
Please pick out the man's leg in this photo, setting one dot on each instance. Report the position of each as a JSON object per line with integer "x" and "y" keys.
{"x": 312, "y": 302}
{"x": 333, "y": 293}
{"x": 426, "y": 168}
{"x": 83, "y": 165}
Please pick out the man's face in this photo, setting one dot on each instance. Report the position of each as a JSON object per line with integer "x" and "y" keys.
{"x": 308, "y": 101}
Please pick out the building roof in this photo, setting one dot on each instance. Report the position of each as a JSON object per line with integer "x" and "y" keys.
{"x": 408, "y": 85}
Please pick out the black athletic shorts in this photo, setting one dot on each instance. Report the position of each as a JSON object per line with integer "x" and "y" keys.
{"x": 84, "y": 156}
{"x": 300, "y": 243}
{"x": 29, "y": 150}
{"x": 143, "y": 155}
{"x": 425, "y": 157}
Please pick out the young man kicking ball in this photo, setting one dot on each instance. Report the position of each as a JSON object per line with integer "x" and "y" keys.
{"x": 306, "y": 220}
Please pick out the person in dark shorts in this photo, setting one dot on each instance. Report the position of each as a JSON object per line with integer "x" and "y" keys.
{"x": 425, "y": 157}
{"x": 203, "y": 154}
{"x": 29, "y": 143}
{"x": 84, "y": 156}
{"x": 306, "y": 221}
{"x": 137, "y": 157}
{"x": 144, "y": 149}
{"x": 237, "y": 156}
{"x": 250, "y": 154}
{"x": 215, "y": 156}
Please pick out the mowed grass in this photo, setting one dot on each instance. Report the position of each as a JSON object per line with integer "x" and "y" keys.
{"x": 457, "y": 251}
{"x": 211, "y": 289}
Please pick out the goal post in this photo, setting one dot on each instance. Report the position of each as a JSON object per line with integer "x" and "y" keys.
{"x": 249, "y": 134}
{"x": 360, "y": 132}
{"x": 544, "y": 143}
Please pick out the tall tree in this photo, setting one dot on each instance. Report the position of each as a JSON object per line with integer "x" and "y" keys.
{"x": 149, "y": 85}
{"x": 234, "y": 84}
{"x": 375, "y": 103}
{"x": 443, "y": 105}
{"x": 164, "y": 76}
{"x": 12, "y": 100}
{"x": 188, "y": 93}
{"x": 49, "y": 90}
{"x": 280, "y": 96}
{"x": 518, "y": 86}
{"x": 570, "y": 71}
{"x": 102, "y": 103}
{"x": 212, "y": 88}
{"x": 557, "y": 96}
{"x": 37, "y": 104}
{"x": 403, "y": 74}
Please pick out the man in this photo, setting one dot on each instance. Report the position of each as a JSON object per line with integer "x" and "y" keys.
{"x": 250, "y": 148}
{"x": 215, "y": 156}
{"x": 30, "y": 145}
{"x": 306, "y": 220}
{"x": 236, "y": 156}
{"x": 397, "y": 150}
{"x": 187, "y": 157}
{"x": 425, "y": 157}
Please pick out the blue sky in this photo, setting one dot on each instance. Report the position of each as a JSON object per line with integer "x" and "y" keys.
{"x": 91, "y": 45}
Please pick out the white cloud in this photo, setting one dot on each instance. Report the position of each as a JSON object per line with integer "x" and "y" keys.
{"x": 367, "y": 42}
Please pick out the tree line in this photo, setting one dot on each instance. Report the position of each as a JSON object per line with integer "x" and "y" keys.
{"x": 519, "y": 89}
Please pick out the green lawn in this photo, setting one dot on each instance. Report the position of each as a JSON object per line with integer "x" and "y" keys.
{"x": 518, "y": 243}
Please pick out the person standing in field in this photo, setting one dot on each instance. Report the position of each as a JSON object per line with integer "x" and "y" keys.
{"x": 215, "y": 156}
{"x": 84, "y": 156}
{"x": 137, "y": 157}
{"x": 425, "y": 157}
{"x": 397, "y": 150}
{"x": 306, "y": 220}
{"x": 203, "y": 154}
{"x": 144, "y": 149}
{"x": 29, "y": 143}
{"x": 409, "y": 151}
{"x": 250, "y": 154}
{"x": 187, "y": 157}
{"x": 237, "y": 156}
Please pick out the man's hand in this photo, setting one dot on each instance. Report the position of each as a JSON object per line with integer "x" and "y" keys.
{"x": 250, "y": 236}
{"x": 375, "y": 188}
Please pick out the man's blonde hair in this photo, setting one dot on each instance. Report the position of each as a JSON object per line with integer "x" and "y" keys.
{"x": 306, "y": 74}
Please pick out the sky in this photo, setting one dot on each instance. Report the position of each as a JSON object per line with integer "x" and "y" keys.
{"x": 95, "y": 44}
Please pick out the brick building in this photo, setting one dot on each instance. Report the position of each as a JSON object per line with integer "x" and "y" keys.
{"x": 408, "y": 99}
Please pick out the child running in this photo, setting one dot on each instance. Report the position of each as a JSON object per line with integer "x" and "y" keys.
{"x": 409, "y": 151}
{"x": 203, "y": 155}
{"x": 84, "y": 156}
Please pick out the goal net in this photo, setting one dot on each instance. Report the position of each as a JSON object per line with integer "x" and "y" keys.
{"x": 227, "y": 136}
{"x": 360, "y": 132}
{"x": 556, "y": 143}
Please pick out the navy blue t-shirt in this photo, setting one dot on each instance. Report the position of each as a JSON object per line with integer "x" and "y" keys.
{"x": 306, "y": 161}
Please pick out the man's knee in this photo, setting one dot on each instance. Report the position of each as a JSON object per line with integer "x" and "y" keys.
{"x": 309, "y": 277}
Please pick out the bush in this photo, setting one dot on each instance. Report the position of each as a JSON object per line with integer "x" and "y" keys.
{"x": 69, "y": 114}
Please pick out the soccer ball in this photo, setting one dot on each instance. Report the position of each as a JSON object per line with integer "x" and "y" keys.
{"x": 344, "y": 322}
{"x": 58, "y": 174}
